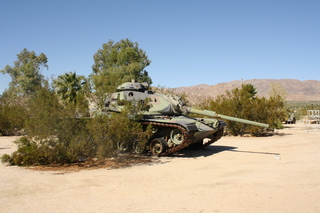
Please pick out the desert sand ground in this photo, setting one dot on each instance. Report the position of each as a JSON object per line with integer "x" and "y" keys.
{"x": 236, "y": 174}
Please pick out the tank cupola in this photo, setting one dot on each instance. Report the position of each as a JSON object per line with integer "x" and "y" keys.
{"x": 133, "y": 86}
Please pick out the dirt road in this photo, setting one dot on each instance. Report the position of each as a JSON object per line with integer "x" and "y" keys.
{"x": 270, "y": 174}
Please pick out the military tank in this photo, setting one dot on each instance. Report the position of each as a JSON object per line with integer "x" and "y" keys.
{"x": 172, "y": 128}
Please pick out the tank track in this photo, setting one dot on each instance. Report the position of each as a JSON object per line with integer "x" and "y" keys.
{"x": 187, "y": 136}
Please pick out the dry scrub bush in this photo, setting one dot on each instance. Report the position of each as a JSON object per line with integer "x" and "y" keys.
{"x": 57, "y": 136}
{"x": 12, "y": 116}
{"x": 243, "y": 103}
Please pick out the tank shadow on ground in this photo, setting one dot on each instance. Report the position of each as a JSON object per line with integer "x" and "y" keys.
{"x": 210, "y": 150}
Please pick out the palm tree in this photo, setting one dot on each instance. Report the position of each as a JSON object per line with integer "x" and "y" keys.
{"x": 68, "y": 86}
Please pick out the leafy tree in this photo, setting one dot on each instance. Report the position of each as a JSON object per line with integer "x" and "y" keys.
{"x": 117, "y": 63}
{"x": 26, "y": 73}
{"x": 249, "y": 90}
{"x": 71, "y": 88}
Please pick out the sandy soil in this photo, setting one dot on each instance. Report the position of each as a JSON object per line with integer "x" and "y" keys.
{"x": 271, "y": 174}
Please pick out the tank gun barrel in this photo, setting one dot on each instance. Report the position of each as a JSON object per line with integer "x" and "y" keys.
{"x": 216, "y": 115}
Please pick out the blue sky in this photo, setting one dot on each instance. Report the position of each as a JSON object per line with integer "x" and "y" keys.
{"x": 188, "y": 42}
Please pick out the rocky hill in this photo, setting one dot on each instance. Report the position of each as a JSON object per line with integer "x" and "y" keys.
{"x": 295, "y": 90}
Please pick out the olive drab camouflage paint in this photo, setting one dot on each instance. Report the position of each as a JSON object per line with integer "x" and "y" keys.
{"x": 172, "y": 128}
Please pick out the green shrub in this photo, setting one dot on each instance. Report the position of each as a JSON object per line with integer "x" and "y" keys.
{"x": 5, "y": 158}
{"x": 243, "y": 103}
{"x": 55, "y": 134}
{"x": 12, "y": 117}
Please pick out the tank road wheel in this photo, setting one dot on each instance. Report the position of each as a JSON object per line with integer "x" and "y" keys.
{"x": 137, "y": 147}
{"x": 154, "y": 129}
{"x": 158, "y": 146}
{"x": 123, "y": 147}
{"x": 176, "y": 136}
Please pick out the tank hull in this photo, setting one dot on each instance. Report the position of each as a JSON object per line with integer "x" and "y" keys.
{"x": 181, "y": 132}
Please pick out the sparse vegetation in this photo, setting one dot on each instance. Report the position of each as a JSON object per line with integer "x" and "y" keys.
{"x": 299, "y": 108}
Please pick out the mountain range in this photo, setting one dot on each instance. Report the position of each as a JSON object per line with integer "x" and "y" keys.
{"x": 294, "y": 90}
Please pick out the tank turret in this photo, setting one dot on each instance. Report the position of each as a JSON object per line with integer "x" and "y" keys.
{"x": 173, "y": 129}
